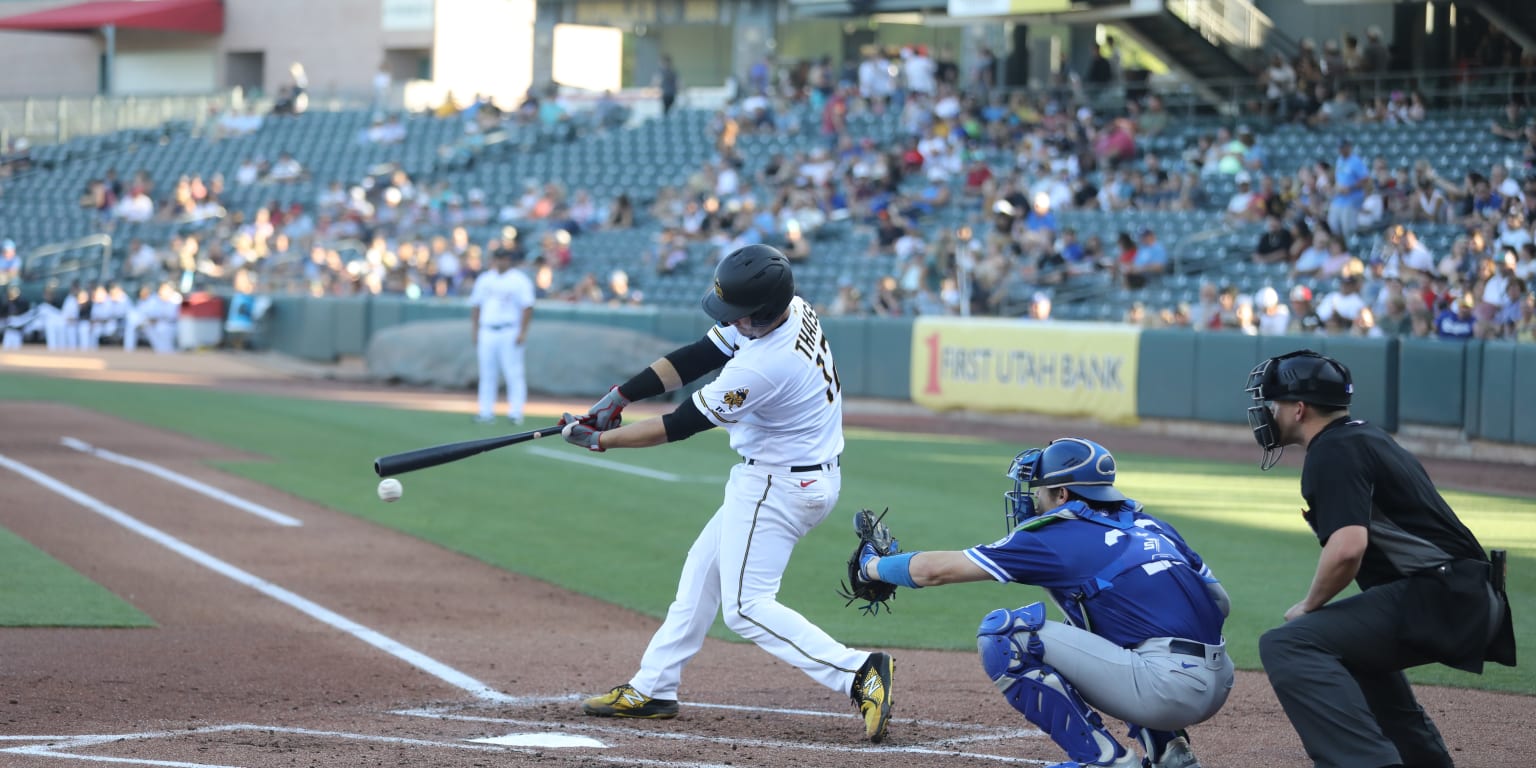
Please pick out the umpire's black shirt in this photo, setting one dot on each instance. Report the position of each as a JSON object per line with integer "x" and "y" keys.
{"x": 1356, "y": 474}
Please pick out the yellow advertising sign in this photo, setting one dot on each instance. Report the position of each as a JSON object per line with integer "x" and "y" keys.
{"x": 992, "y": 364}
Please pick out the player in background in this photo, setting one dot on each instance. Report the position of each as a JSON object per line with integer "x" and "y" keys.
{"x": 501, "y": 309}
{"x": 1142, "y": 638}
{"x": 779, "y": 396}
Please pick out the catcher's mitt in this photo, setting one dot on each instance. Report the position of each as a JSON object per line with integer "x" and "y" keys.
{"x": 874, "y": 540}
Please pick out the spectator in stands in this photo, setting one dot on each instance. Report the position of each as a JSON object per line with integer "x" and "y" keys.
{"x": 1244, "y": 206}
{"x": 1429, "y": 200}
{"x": 1205, "y": 314}
{"x": 286, "y": 169}
{"x": 1274, "y": 318}
{"x": 888, "y": 300}
{"x": 1274, "y": 246}
{"x": 1505, "y": 322}
{"x": 667, "y": 83}
{"x": 1341, "y": 308}
{"x": 10, "y": 263}
{"x": 1304, "y": 319}
{"x": 1510, "y": 124}
{"x": 1456, "y": 323}
{"x": 1151, "y": 261}
{"x": 1348, "y": 184}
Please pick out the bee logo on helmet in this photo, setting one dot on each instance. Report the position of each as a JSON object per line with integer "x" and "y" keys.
{"x": 754, "y": 282}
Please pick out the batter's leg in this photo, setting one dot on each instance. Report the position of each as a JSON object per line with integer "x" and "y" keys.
{"x": 689, "y": 618}
{"x": 764, "y": 518}
{"x": 485, "y": 352}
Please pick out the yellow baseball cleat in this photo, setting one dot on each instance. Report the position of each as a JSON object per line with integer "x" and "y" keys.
{"x": 625, "y": 701}
{"x": 872, "y": 694}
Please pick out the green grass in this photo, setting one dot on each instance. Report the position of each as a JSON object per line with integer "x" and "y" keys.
{"x": 39, "y": 591}
{"x": 622, "y": 538}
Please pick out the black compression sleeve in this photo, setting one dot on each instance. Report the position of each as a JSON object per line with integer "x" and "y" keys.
{"x": 697, "y": 359}
{"x": 685, "y": 421}
{"x": 642, "y": 385}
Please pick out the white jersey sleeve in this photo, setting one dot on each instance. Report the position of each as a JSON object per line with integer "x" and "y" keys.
{"x": 736, "y": 392}
{"x": 726, "y": 338}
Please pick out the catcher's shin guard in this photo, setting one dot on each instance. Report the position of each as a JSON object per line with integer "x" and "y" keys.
{"x": 1013, "y": 656}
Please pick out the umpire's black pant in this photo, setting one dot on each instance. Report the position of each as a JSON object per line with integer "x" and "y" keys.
{"x": 1338, "y": 674}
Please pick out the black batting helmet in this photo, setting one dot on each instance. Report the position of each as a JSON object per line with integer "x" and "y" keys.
{"x": 754, "y": 282}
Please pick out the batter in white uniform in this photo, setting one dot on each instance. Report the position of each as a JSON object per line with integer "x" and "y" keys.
{"x": 502, "y": 308}
{"x": 779, "y": 396}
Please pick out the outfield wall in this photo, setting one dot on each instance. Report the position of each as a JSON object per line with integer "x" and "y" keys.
{"x": 1109, "y": 371}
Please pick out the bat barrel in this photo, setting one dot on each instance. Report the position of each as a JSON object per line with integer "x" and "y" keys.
{"x": 422, "y": 458}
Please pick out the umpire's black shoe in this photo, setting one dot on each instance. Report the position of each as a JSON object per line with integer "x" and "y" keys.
{"x": 872, "y": 693}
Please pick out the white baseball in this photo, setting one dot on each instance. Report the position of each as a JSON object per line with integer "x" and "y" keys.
{"x": 390, "y": 489}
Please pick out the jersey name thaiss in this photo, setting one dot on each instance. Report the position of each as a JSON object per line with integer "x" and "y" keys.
{"x": 780, "y": 396}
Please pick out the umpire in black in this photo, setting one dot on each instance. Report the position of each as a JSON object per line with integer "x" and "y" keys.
{"x": 1428, "y": 591}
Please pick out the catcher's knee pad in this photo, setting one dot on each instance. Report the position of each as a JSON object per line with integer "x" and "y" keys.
{"x": 1013, "y": 656}
{"x": 998, "y": 640}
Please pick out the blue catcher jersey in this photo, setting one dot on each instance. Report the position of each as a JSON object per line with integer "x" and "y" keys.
{"x": 1126, "y": 576}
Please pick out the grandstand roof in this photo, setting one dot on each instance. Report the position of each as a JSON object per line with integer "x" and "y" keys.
{"x": 198, "y": 16}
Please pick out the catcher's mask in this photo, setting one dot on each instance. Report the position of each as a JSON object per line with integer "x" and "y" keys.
{"x": 1302, "y": 376}
{"x": 1077, "y": 464}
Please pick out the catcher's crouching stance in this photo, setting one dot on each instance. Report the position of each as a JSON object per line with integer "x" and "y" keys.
{"x": 1142, "y": 637}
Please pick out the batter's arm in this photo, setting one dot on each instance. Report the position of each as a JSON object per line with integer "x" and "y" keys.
{"x": 1336, "y": 568}
{"x": 682, "y": 423}
{"x": 674, "y": 369}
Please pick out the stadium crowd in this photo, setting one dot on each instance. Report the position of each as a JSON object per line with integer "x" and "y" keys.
{"x": 968, "y": 202}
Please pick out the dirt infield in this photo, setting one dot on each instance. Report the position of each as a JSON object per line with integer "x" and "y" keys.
{"x": 342, "y": 643}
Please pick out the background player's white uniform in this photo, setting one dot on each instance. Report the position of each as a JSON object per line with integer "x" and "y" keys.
{"x": 501, "y": 297}
{"x": 780, "y": 398}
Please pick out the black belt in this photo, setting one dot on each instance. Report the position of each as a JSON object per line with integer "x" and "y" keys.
{"x": 499, "y": 327}
{"x": 833, "y": 464}
{"x": 1187, "y": 647}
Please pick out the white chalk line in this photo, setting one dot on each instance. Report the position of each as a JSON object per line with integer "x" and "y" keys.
{"x": 56, "y": 750}
{"x": 394, "y": 648}
{"x": 183, "y": 481}
{"x": 581, "y": 458}
{"x": 935, "y": 747}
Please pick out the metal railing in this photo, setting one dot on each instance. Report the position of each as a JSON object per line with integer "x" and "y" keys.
{"x": 56, "y": 263}
{"x": 57, "y": 119}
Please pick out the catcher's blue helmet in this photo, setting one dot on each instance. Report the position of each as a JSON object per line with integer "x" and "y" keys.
{"x": 1077, "y": 464}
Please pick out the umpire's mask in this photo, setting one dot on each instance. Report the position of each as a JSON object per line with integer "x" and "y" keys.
{"x": 1302, "y": 376}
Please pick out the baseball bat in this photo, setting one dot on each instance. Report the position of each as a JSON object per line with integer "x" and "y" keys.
{"x": 421, "y": 458}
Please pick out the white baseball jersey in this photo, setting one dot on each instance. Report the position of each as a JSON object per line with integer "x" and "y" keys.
{"x": 781, "y": 401}
{"x": 502, "y": 297}
{"x": 779, "y": 396}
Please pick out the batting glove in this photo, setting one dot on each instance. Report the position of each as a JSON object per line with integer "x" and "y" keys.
{"x": 577, "y": 432}
{"x": 608, "y": 412}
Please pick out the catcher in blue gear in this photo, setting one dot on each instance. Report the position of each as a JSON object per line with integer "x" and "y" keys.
{"x": 1141, "y": 640}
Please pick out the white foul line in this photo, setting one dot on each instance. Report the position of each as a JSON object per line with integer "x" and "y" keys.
{"x": 410, "y": 656}
{"x": 615, "y": 466}
{"x": 183, "y": 481}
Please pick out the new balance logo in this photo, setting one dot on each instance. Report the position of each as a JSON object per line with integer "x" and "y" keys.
{"x": 806, "y": 483}
{"x": 633, "y": 698}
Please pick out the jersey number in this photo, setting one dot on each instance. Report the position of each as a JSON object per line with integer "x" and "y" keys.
{"x": 834, "y": 384}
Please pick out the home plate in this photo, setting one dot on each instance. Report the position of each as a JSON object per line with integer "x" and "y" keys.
{"x": 541, "y": 740}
